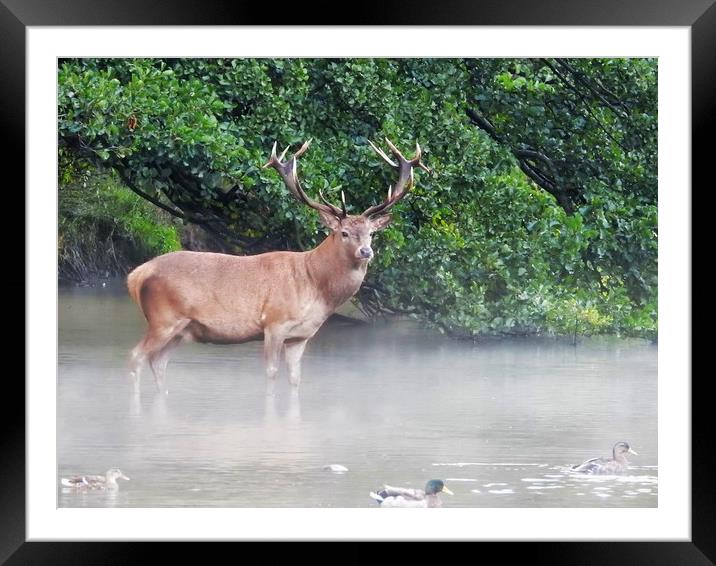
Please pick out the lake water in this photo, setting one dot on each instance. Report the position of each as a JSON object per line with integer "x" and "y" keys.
{"x": 499, "y": 421}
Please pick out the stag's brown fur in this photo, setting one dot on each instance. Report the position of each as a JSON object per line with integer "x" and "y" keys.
{"x": 282, "y": 297}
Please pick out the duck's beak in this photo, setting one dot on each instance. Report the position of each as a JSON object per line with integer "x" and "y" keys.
{"x": 632, "y": 451}
{"x": 124, "y": 477}
{"x": 446, "y": 490}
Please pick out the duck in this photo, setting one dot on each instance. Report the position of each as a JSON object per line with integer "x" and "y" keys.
{"x": 616, "y": 465}
{"x": 409, "y": 497}
{"x": 107, "y": 481}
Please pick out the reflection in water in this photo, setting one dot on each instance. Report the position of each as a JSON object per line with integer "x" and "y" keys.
{"x": 135, "y": 404}
{"x": 292, "y": 414}
{"x": 500, "y": 422}
{"x": 270, "y": 417}
{"x": 95, "y": 498}
{"x": 159, "y": 407}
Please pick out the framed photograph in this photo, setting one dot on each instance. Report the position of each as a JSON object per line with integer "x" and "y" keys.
{"x": 499, "y": 423}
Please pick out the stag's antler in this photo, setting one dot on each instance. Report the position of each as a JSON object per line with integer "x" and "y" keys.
{"x": 287, "y": 170}
{"x": 405, "y": 176}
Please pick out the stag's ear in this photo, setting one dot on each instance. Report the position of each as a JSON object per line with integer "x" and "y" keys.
{"x": 381, "y": 221}
{"x": 329, "y": 220}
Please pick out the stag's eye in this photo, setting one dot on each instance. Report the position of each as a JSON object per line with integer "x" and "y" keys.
{"x": 344, "y": 234}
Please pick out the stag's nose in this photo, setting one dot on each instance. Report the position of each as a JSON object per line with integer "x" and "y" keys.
{"x": 366, "y": 252}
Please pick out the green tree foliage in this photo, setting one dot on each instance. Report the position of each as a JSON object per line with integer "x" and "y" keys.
{"x": 540, "y": 214}
{"x": 585, "y": 131}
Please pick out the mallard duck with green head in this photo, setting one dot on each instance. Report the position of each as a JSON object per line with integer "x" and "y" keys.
{"x": 601, "y": 466}
{"x": 409, "y": 497}
{"x": 107, "y": 481}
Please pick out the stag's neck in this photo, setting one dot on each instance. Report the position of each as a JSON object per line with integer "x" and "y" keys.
{"x": 336, "y": 276}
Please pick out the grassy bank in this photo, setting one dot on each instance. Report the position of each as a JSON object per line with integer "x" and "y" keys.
{"x": 104, "y": 229}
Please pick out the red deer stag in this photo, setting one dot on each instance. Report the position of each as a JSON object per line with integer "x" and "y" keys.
{"x": 283, "y": 296}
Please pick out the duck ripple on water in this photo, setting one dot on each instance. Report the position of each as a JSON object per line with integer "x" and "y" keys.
{"x": 409, "y": 497}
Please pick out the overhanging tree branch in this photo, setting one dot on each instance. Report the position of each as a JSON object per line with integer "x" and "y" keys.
{"x": 613, "y": 105}
{"x": 127, "y": 181}
{"x": 212, "y": 225}
{"x": 551, "y": 182}
{"x": 579, "y": 93}
{"x": 483, "y": 123}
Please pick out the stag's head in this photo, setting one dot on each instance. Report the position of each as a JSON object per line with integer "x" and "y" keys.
{"x": 352, "y": 233}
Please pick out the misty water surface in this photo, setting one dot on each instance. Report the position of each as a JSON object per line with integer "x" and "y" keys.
{"x": 499, "y": 421}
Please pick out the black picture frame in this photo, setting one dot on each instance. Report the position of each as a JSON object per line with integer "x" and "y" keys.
{"x": 699, "y": 15}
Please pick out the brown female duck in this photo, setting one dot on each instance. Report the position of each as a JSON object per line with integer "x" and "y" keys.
{"x": 616, "y": 465}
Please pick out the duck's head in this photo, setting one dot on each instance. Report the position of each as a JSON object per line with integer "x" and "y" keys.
{"x": 433, "y": 487}
{"x": 115, "y": 473}
{"x": 621, "y": 448}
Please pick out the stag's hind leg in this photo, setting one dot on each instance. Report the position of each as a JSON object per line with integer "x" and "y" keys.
{"x": 151, "y": 348}
{"x": 136, "y": 360}
{"x": 158, "y": 362}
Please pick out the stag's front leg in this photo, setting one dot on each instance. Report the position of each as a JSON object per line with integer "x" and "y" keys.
{"x": 273, "y": 341}
{"x": 294, "y": 352}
